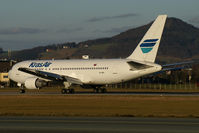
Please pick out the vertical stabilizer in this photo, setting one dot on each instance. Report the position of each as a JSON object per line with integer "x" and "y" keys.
{"x": 148, "y": 46}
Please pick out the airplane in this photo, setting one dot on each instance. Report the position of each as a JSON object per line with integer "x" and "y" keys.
{"x": 94, "y": 73}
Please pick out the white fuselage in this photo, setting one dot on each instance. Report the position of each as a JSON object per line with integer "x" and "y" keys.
{"x": 94, "y": 71}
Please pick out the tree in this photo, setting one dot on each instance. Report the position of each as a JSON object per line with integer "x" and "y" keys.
{"x": 1, "y": 50}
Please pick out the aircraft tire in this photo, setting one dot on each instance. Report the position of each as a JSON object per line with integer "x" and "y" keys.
{"x": 72, "y": 91}
{"x": 63, "y": 91}
{"x": 96, "y": 90}
{"x": 22, "y": 91}
{"x": 103, "y": 90}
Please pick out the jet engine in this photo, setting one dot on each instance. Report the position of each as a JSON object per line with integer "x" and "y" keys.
{"x": 34, "y": 83}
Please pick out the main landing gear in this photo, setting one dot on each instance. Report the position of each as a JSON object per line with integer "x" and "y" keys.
{"x": 67, "y": 91}
{"x": 22, "y": 91}
{"x": 100, "y": 90}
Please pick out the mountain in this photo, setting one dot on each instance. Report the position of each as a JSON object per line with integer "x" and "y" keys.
{"x": 180, "y": 41}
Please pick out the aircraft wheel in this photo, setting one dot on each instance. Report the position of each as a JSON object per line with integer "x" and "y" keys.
{"x": 22, "y": 91}
{"x": 103, "y": 90}
{"x": 96, "y": 90}
{"x": 63, "y": 91}
{"x": 71, "y": 91}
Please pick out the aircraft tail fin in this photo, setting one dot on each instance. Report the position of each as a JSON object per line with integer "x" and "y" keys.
{"x": 148, "y": 46}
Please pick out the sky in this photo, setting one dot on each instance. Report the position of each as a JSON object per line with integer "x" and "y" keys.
{"x": 30, "y": 23}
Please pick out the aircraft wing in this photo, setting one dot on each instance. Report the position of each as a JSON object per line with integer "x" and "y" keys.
{"x": 51, "y": 76}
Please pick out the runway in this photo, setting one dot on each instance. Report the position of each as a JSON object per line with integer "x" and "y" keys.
{"x": 98, "y": 125}
{"x": 107, "y": 93}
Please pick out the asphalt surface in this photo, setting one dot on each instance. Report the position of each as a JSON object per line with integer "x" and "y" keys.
{"x": 108, "y": 93}
{"x": 98, "y": 125}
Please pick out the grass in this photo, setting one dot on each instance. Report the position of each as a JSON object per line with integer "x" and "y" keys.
{"x": 60, "y": 53}
{"x": 99, "y": 105}
{"x": 101, "y": 47}
{"x": 159, "y": 88}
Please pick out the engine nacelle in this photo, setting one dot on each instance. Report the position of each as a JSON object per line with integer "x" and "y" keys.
{"x": 34, "y": 83}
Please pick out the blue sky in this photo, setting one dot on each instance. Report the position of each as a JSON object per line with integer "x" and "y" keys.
{"x": 29, "y": 23}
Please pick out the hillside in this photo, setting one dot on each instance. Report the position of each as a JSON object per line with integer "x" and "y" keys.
{"x": 180, "y": 40}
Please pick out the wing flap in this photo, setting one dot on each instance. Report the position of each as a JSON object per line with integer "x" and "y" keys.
{"x": 73, "y": 80}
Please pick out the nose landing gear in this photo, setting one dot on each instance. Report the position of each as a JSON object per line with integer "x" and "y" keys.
{"x": 22, "y": 89}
